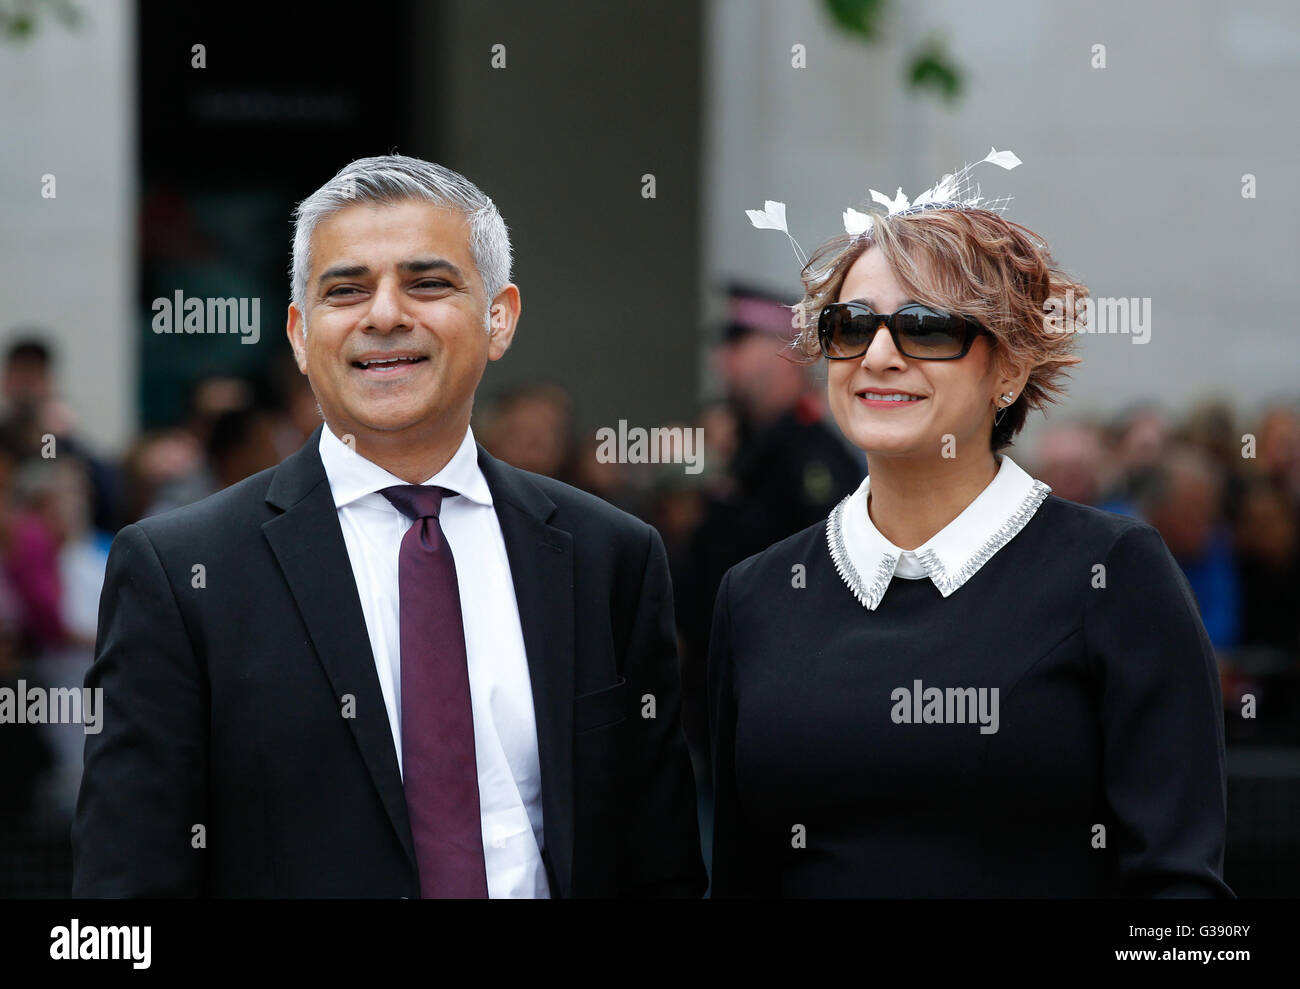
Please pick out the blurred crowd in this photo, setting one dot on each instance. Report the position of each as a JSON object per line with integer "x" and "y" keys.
{"x": 1221, "y": 484}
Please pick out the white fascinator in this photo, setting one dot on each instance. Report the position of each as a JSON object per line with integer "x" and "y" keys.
{"x": 954, "y": 191}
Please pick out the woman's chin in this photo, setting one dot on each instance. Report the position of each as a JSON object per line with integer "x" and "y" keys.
{"x": 886, "y": 441}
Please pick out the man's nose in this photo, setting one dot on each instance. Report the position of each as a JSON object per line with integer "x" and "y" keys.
{"x": 387, "y": 310}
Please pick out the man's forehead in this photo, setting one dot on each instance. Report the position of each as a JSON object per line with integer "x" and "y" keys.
{"x": 413, "y": 220}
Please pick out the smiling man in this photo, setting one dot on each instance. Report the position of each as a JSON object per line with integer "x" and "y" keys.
{"x": 392, "y": 666}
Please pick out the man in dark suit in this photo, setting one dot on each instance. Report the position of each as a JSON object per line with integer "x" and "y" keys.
{"x": 392, "y": 666}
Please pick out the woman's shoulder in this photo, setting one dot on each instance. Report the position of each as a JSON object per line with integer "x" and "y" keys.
{"x": 1069, "y": 524}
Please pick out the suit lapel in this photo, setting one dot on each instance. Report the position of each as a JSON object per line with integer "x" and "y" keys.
{"x": 308, "y": 543}
{"x": 541, "y": 567}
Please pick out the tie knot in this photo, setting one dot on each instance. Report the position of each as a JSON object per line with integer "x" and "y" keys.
{"x": 416, "y": 501}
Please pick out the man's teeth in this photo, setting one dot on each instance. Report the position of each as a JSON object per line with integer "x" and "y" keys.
{"x": 388, "y": 360}
{"x": 896, "y": 397}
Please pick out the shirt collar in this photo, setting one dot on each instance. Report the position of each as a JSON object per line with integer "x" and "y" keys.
{"x": 353, "y": 478}
{"x": 867, "y": 561}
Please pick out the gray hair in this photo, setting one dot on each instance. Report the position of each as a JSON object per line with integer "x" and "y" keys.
{"x": 389, "y": 179}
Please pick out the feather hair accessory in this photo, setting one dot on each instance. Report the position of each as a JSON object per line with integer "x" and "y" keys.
{"x": 955, "y": 191}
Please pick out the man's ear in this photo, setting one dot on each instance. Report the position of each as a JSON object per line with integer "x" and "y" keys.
{"x": 503, "y": 317}
{"x": 296, "y": 330}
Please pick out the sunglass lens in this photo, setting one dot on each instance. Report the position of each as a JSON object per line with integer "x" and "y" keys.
{"x": 846, "y": 333}
{"x": 929, "y": 334}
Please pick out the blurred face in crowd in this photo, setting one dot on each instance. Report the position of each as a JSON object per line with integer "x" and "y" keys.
{"x": 950, "y": 397}
{"x": 27, "y": 381}
{"x": 1266, "y": 528}
{"x": 761, "y": 380}
{"x": 1279, "y": 440}
{"x": 1144, "y": 440}
{"x": 1070, "y": 461}
{"x": 532, "y": 433}
{"x": 395, "y": 338}
{"x": 1185, "y": 518}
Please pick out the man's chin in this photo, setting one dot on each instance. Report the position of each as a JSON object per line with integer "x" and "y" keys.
{"x": 394, "y": 423}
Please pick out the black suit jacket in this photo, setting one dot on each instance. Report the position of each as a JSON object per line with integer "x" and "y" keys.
{"x": 232, "y": 644}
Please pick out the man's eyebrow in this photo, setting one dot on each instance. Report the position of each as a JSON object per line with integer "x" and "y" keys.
{"x": 423, "y": 265}
{"x": 419, "y": 266}
{"x": 343, "y": 271}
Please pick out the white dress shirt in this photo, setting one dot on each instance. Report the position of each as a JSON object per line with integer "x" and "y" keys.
{"x": 505, "y": 726}
{"x": 867, "y": 561}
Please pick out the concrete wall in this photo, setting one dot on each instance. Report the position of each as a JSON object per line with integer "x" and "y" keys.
{"x": 68, "y": 264}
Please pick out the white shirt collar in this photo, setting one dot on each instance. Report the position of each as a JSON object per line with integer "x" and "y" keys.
{"x": 867, "y": 561}
{"x": 353, "y": 478}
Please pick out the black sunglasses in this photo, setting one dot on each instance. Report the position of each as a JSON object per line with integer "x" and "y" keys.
{"x": 845, "y": 331}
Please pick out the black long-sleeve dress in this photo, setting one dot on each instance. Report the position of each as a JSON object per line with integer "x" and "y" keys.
{"x": 839, "y": 770}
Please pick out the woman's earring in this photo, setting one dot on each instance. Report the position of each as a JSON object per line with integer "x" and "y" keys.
{"x": 1003, "y": 411}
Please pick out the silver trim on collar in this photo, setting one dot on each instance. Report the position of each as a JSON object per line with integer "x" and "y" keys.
{"x": 870, "y": 594}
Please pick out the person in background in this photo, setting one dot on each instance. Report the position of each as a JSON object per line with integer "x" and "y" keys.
{"x": 1135, "y": 440}
{"x": 1070, "y": 459}
{"x": 57, "y": 494}
{"x": 31, "y": 558}
{"x": 1268, "y": 563}
{"x": 34, "y": 413}
{"x": 1182, "y": 496}
{"x": 1210, "y": 426}
{"x": 1277, "y": 453}
{"x": 607, "y": 479}
{"x": 237, "y": 436}
{"x": 532, "y": 428}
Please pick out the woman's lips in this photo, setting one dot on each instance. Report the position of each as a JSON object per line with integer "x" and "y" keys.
{"x": 878, "y": 402}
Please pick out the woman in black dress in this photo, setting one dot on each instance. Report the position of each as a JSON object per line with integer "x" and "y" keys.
{"x": 958, "y": 685}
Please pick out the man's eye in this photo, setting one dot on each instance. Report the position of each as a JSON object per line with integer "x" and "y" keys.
{"x": 433, "y": 283}
{"x": 341, "y": 288}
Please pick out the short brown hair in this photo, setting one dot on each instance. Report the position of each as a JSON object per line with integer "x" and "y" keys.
{"x": 973, "y": 263}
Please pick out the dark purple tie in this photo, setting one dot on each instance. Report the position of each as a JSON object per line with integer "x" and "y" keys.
{"x": 439, "y": 772}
